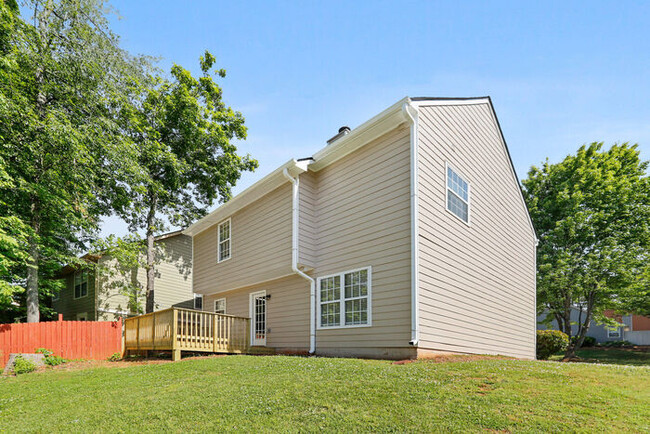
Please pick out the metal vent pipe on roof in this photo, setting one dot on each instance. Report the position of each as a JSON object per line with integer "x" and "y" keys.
{"x": 342, "y": 132}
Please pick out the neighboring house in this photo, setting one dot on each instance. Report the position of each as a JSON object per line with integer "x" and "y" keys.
{"x": 406, "y": 236}
{"x": 634, "y": 329}
{"x": 86, "y": 299}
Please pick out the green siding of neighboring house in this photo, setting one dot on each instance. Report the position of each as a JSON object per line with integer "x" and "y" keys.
{"x": 71, "y": 307}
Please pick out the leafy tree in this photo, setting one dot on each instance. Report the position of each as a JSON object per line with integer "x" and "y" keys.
{"x": 592, "y": 214}
{"x": 61, "y": 81}
{"x": 183, "y": 132}
{"x": 116, "y": 273}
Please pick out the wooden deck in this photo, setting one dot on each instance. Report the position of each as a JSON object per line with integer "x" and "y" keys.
{"x": 179, "y": 330}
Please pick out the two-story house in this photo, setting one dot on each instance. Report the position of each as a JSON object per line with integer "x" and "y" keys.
{"x": 121, "y": 293}
{"x": 403, "y": 237}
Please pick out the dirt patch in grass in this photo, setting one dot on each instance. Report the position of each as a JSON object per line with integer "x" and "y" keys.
{"x": 75, "y": 365}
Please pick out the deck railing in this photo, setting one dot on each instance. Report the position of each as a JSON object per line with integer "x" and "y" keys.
{"x": 187, "y": 330}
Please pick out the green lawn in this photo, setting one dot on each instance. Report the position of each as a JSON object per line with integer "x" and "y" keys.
{"x": 615, "y": 356}
{"x": 244, "y": 393}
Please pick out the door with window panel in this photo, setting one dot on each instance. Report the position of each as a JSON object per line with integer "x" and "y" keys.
{"x": 258, "y": 318}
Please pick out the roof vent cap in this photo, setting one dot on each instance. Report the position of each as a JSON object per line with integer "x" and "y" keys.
{"x": 344, "y": 130}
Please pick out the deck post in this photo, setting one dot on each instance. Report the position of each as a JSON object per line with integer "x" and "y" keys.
{"x": 137, "y": 336}
{"x": 248, "y": 335}
{"x": 153, "y": 331}
{"x": 215, "y": 334}
{"x": 176, "y": 352}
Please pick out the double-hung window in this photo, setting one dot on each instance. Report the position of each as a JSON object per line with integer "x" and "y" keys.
{"x": 344, "y": 299}
{"x": 223, "y": 245}
{"x": 615, "y": 334}
{"x": 220, "y": 305}
{"x": 80, "y": 284}
{"x": 457, "y": 195}
{"x": 198, "y": 301}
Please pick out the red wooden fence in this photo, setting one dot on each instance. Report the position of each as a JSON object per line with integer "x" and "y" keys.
{"x": 69, "y": 339}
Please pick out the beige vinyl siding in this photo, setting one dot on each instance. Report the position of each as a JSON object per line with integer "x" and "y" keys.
{"x": 173, "y": 285}
{"x": 307, "y": 220}
{"x": 363, "y": 219}
{"x": 260, "y": 246}
{"x": 112, "y": 302}
{"x": 287, "y": 311}
{"x": 69, "y": 306}
{"x": 477, "y": 282}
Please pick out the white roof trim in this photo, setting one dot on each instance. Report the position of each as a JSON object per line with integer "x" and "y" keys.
{"x": 377, "y": 126}
{"x": 262, "y": 187}
{"x": 460, "y": 101}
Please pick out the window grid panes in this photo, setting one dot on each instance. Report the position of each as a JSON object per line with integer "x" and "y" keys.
{"x": 80, "y": 284}
{"x": 457, "y": 195}
{"x": 224, "y": 240}
{"x": 344, "y": 299}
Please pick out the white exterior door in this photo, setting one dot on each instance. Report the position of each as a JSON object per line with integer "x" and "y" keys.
{"x": 258, "y": 318}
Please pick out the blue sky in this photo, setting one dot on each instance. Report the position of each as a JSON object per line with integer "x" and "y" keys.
{"x": 560, "y": 74}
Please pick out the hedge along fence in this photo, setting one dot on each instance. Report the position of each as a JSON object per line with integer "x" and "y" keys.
{"x": 69, "y": 339}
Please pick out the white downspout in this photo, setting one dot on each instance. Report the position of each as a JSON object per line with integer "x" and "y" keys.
{"x": 294, "y": 259}
{"x": 415, "y": 232}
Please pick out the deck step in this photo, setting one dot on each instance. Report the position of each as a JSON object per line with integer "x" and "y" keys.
{"x": 261, "y": 351}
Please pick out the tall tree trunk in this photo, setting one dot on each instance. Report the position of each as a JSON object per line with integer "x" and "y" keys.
{"x": 150, "y": 256}
{"x": 33, "y": 311}
{"x": 575, "y": 344}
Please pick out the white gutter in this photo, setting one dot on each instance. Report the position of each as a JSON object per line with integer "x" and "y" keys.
{"x": 415, "y": 232}
{"x": 294, "y": 259}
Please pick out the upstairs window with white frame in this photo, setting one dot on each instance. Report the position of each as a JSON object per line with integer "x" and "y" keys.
{"x": 220, "y": 306}
{"x": 80, "y": 284}
{"x": 198, "y": 301}
{"x": 457, "y": 195}
{"x": 223, "y": 245}
{"x": 344, "y": 299}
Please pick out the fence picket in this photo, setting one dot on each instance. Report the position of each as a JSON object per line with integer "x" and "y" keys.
{"x": 68, "y": 339}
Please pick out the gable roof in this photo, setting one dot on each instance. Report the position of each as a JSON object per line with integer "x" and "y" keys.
{"x": 387, "y": 120}
{"x": 94, "y": 257}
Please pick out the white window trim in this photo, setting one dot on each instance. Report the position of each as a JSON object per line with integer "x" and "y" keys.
{"x": 342, "y": 300}
{"x": 74, "y": 278}
{"x": 618, "y": 333}
{"x": 197, "y": 296}
{"x": 224, "y": 305}
{"x": 219, "y": 240}
{"x": 469, "y": 194}
{"x": 83, "y": 315}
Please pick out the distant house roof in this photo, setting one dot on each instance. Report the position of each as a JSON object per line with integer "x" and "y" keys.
{"x": 94, "y": 257}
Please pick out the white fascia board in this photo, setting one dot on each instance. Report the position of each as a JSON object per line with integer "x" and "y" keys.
{"x": 262, "y": 187}
{"x": 379, "y": 125}
{"x": 450, "y": 101}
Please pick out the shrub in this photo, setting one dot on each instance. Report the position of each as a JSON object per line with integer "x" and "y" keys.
{"x": 617, "y": 344}
{"x": 50, "y": 358}
{"x": 550, "y": 342}
{"x": 115, "y": 357}
{"x": 23, "y": 366}
{"x": 589, "y": 341}
{"x": 45, "y": 352}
